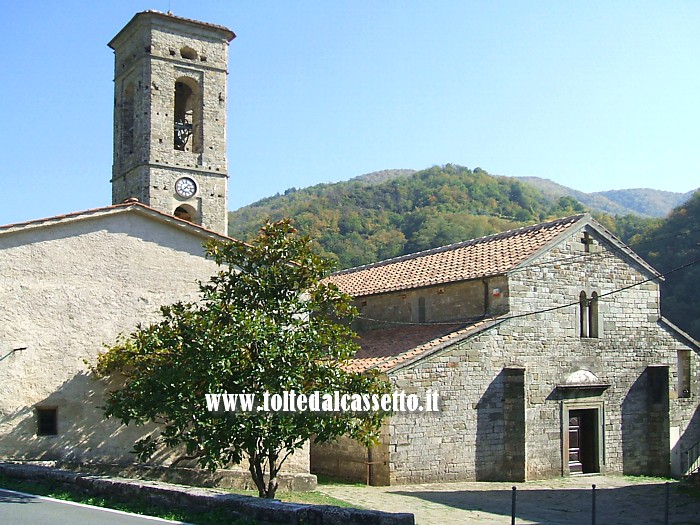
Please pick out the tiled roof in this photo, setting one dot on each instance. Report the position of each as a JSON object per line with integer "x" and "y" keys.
{"x": 229, "y": 35}
{"x": 492, "y": 255}
{"x": 384, "y": 349}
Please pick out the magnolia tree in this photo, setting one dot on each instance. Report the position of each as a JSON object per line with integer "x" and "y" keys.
{"x": 264, "y": 324}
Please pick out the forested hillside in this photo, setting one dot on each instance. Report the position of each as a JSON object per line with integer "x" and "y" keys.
{"x": 644, "y": 202}
{"x": 392, "y": 213}
{"x": 675, "y": 242}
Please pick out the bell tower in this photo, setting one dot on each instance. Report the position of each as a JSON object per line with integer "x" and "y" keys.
{"x": 170, "y": 117}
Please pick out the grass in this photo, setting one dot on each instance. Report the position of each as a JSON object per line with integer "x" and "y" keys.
{"x": 657, "y": 479}
{"x": 689, "y": 487}
{"x": 55, "y": 489}
{"x": 313, "y": 497}
{"x": 58, "y": 490}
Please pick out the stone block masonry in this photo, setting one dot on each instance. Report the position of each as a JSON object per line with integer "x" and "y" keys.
{"x": 170, "y": 74}
{"x": 512, "y": 405}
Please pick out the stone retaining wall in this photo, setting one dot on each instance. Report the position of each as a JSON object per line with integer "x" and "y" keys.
{"x": 177, "y": 496}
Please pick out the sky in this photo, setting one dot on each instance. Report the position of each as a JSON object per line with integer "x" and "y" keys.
{"x": 593, "y": 95}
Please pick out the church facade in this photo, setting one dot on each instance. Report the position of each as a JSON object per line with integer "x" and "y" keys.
{"x": 71, "y": 284}
{"x": 549, "y": 353}
{"x": 545, "y": 344}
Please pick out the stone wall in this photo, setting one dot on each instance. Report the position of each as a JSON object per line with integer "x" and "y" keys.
{"x": 262, "y": 511}
{"x": 444, "y": 303}
{"x": 345, "y": 459}
{"x": 67, "y": 290}
{"x": 468, "y": 438}
{"x": 148, "y": 63}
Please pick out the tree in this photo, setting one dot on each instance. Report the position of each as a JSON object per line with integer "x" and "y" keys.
{"x": 265, "y": 323}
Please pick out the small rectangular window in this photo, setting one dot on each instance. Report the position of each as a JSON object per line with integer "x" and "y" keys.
{"x": 47, "y": 421}
{"x": 683, "y": 358}
{"x": 421, "y": 309}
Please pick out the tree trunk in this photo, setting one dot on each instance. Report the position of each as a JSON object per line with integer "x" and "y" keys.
{"x": 255, "y": 462}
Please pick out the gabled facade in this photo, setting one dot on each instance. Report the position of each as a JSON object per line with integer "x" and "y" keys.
{"x": 68, "y": 286}
{"x": 548, "y": 350}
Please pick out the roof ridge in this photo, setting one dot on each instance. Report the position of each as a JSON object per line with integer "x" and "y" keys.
{"x": 63, "y": 216}
{"x": 462, "y": 244}
{"x": 170, "y": 14}
{"x": 122, "y": 205}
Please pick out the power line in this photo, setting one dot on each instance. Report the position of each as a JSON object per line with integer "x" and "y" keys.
{"x": 544, "y": 310}
{"x": 603, "y": 254}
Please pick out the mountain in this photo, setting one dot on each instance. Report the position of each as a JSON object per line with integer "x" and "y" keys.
{"x": 640, "y": 201}
{"x": 391, "y": 213}
{"x": 674, "y": 243}
{"x": 384, "y": 175}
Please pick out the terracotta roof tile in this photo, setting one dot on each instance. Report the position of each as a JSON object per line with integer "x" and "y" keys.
{"x": 491, "y": 255}
{"x": 384, "y": 349}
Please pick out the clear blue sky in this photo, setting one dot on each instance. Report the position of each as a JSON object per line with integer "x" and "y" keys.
{"x": 594, "y": 95}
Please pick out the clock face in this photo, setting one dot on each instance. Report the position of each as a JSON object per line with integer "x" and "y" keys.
{"x": 186, "y": 187}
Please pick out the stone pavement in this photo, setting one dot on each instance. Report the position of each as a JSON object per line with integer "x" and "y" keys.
{"x": 566, "y": 501}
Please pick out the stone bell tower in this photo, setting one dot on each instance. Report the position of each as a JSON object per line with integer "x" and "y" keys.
{"x": 170, "y": 117}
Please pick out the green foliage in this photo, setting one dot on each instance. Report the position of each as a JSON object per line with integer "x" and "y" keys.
{"x": 671, "y": 243}
{"x": 373, "y": 218}
{"x": 377, "y": 217}
{"x": 265, "y": 323}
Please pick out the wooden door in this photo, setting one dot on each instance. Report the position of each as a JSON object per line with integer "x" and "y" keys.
{"x": 575, "y": 464}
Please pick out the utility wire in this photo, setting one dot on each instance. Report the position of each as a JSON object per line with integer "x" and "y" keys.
{"x": 602, "y": 254}
{"x": 544, "y": 310}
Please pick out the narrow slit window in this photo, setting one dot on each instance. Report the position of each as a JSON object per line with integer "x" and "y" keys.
{"x": 421, "y": 309}
{"x": 683, "y": 357}
{"x": 583, "y": 314}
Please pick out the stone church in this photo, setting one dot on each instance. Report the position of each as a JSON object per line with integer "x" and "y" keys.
{"x": 548, "y": 350}
{"x": 546, "y": 344}
{"x": 70, "y": 284}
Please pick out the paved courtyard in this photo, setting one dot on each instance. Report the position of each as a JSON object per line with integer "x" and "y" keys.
{"x": 566, "y": 501}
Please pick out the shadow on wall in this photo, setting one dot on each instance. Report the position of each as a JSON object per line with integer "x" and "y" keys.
{"x": 490, "y": 432}
{"x": 500, "y": 428}
{"x": 81, "y": 432}
{"x": 688, "y": 438}
{"x": 645, "y": 425}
